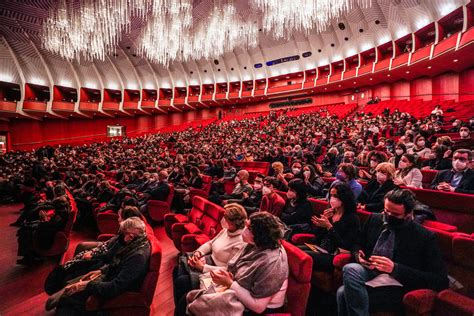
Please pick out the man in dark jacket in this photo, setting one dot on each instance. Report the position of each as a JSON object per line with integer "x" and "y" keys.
{"x": 460, "y": 178}
{"x": 394, "y": 248}
{"x": 125, "y": 272}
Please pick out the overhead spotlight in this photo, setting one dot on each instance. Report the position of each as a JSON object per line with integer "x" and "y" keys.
{"x": 407, "y": 71}
{"x": 455, "y": 60}
{"x": 370, "y": 79}
{"x": 429, "y": 67}
{"x": 339, "y": 86}
{"x": 355, "y": 82}
{"x": 388, "y": 75}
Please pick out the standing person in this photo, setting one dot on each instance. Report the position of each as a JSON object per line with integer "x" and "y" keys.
{"x": 393, "y": 245}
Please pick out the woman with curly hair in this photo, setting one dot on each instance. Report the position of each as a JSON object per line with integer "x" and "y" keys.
{"x": 257, "y": 276}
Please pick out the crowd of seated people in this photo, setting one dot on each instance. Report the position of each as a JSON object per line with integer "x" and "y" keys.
{"x": 363, "y": 162}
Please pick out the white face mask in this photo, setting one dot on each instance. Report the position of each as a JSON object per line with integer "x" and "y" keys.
{"x": 458, "y": 165}
{"x": 224, "y": 223}
{"x": 402, "y": 165}
{"x": 307, "y": 173}
{"x": 464, "y": 134}
{"x": 296, "y": 170}
{"x": 381, "y": 178}
{"x": 373, "y": 164}
{"x": 266, "y": 190}
{"x": 335, "y": 202}
{"x": 421, "y": 143}
{"x": 257, "y": 186}
{"x": 399, "y": 152}
{"x": 236, "y": 179}
{"x": 247, "y": 236}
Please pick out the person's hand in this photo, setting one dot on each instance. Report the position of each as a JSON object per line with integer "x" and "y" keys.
{"x": 360, "y": 206}
{"x": 289, "y": 176}
{"x": 76, "y": 287}
{"x": 321, "y": 222}
{"x": 306, "y": 177}
{"x": 196, "y": 263}
{"x": 362, "y": 261}
{"x": 328, "y": 213}
{"x": 280, "y": 177}
{"x": 224, "y": 202}
{"x": 398, "y": 181}
{"x": 327, "y": 174}
{"x": 91, "y": 275}
{"x": 222, "y": 277}
{"x": 87, "y": 255}
{"x": 444, "y": 186}
{"x": 447, "y": 153}
{"x": 43, "y": 216}
{"x": 245, "y": 195}
{"x": 382, "y": 264}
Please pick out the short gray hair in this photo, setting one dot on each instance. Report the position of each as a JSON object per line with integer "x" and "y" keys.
{"x": 133, "y": 223}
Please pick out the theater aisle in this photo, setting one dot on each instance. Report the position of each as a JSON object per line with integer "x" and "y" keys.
{"x": 21, "y": 288}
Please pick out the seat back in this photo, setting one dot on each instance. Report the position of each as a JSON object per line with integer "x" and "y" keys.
{"x": 197, "y": 211}
{"x": 428, "y": 177}
{"x": 318, "y": 205}
{"x": 151, "y": 278}
{"x": 206, "y": 183}
{"x": 463, "y": 260}
{"x": 300, "y": 267}
{"x": 211, "y": 220}
{"x": 170, "y": 196}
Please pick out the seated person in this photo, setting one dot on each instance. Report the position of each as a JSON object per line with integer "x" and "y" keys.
{"x": 298, "y": 210}
{"x": 44, "y": 230}
{"x": 124, "y": 271}
{"x": 408, "y": 173}
{"x": 438, "y": 159}
{"x": 466, "y": 141}
{"x": 251, "y": 202}
{"x": 458, "y": 179}
{"x": 257, "y": 275}
{"x": 242, "y": 186}
{"x": 420, "y": 148}
{"x": 271, "y": 202}
{"x": 391, "y": 243}
{"x": 176, "y": 175}
{"x": 346, "y": 174}
{"x": 372, "y": 198}
{"x": 159, "y": 191}
{"x": 336, "y": 228}
{"x": 400, "y": 150}
{"x": 374, "y": 158}
{"x": 314, "y": 183}
{"x": 212, "y": 255}
{"x": 181, "y": 196}
{"x": 278, "y": 167}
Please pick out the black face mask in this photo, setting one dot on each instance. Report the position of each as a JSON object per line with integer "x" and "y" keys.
{"x": 394, "y": 222}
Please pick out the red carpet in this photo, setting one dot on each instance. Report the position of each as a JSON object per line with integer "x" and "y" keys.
{"x": 21, "y": 287}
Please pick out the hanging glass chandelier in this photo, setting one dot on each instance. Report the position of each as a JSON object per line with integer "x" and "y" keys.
{"x": 92, "y": 29}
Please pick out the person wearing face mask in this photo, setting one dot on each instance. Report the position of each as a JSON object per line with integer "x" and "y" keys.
{"x": 213, "y": 255}
{"x": 392, "y": 244}
{"x": 466, "y": 141}
{"x": 437, "y": 159}
{"x": 242, "y": 186}
{"x": 400, "y": 149}
{"x": 298, "y": 210}
{"x": 408, "y": 173}
{"x": 374, "y": 158}
{"x": 420, "y": 148}
{"x": 346, "y": 174}
{"x": 314, "y": 183}
{"x": 336, "y": 228}
{"x": 277, "y": 168}
{"x": 272, "y": 202}
{"x": 257, "y": 276}
{"x": 373, "y": 194}
{"x": 458, "y": 179}
{"x": 251, "y": 201}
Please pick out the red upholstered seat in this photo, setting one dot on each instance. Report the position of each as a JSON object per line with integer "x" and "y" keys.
{"x": 107, "y": 222}
{"x": 428, "y": 177}
{"x": 133, "y": 303}
{"x": 206, "y": 187}
{"x": 158, "y": 209}
{"x": 194, "y": 215}
{"x": 194, "y": 236}
{"x": 299, "y": 280}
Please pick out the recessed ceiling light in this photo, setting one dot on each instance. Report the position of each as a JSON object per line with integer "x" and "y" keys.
{"x": 429, "y": 67}
{"x": 388, "y": 75}
{"x": 407, "y": 71}
{"x": 455, "y": 60}
{"x": 339, "y": 86}
{"x": 370, "y": 79}
{"x": 325, "y": 88}
{"x": 355, "y": 82}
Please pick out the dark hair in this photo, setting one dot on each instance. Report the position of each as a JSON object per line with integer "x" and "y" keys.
{"x": 349, "y": 169}
{"x": 59, "y": 190}
{"x": 271, "y": 180}
{"x": 299, "y": 187}
{"x": 465, "y": 151}
{"x": 130, "y": 201}
{"x": 267, "y": 230}
{"x": 413, "y": 159}
{"x": 344, "y": 193}
{"x": 402, "y": 197}
{"x": 402, "y": 146}
{"x": 130, "y": 211}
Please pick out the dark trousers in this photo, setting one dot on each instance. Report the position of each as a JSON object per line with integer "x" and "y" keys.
{"x": 321, "y": 261}
{"x": 181, "y": 287}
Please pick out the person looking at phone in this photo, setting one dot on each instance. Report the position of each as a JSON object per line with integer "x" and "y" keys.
{"x": 391, "y": 243}
{"x": 336, "y": 228}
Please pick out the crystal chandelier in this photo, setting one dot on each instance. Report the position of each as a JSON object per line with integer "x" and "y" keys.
{"x": 282, "y": 18}
{"x": 92, "y": 29}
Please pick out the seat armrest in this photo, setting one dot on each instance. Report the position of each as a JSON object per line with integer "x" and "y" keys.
{"x": 420, "y": 301}
{"x": 157, "y": 203}
{"x": 300, "y": 239}
{"x": 458, "y": 303}
{"x": 341, "y": 260}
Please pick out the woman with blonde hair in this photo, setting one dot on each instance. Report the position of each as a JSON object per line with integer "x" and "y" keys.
{"x": 373, "y": 195}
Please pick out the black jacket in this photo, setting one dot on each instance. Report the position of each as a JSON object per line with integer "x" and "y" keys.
{"x": 128, "y": 275}
{"x": 374, "y": 193}
{"x": 299, "y": 213}
{"x": 343, "y": 233}
{"x": 417, "y": 258}
{"x": 160, "y": 191}
{"x": 465, "y": 186}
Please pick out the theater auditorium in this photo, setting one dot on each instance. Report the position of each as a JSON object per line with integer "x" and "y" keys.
{"x": 237, "y": 157}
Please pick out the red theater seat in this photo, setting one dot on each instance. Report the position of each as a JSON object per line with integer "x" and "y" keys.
{"x": 133, "y": 303}
{"x": 206, "y": 187}
{"x": 158, "y": 209}
{"x": 107, "y": 222}
{"x": 194, "y": 216}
